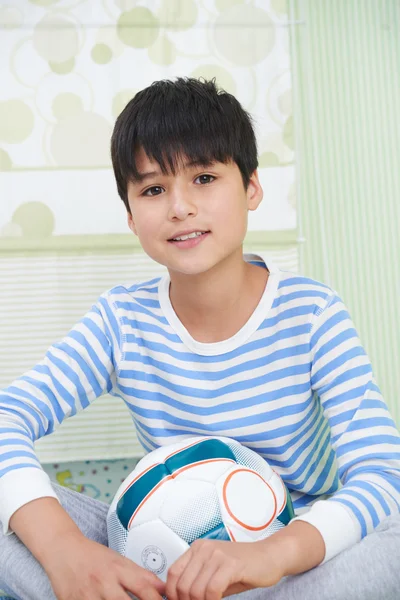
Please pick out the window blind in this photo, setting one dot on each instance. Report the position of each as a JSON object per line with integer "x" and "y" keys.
{"x": 44, "y": 293}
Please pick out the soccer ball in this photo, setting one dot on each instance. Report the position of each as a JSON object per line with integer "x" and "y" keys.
{"x": 211, "y": 487}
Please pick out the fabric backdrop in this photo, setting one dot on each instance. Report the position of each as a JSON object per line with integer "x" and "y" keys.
{"x": 68, "y": 67}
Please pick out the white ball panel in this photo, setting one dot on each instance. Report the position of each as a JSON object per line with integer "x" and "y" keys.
{"x": 280, "y": 492}
{"x": 154, "y": 547}
{"x": 246, "y": 499}
{"x": 249, "y": 458}
{"x": 210, "y": 470}
{"x": 192, "y": 510}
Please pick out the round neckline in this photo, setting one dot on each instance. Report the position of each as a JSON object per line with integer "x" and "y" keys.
{"x": 257, "y": 317}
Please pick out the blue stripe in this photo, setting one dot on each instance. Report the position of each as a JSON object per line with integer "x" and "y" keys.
{"x": 18, "y": 466}
{"x": 356, "y": 511}
{"x": 350, "y": 491}
{"x": 221, "y": 425}
{"x": 333, "y": 344}
{"x": 366, "y": 443}
{"x": 371, "y": 489}
{"x": 137, "y": 308}
{"x": 144, "y": 328}
{"x": 378, "y": 422}
{"x": 220, "y": 374}
{"x": 344, "y": 377}
{"x": 302, "y": 281}
{"x": 41, "y": 406}
{"x": 337, "y": 362}
{"x": 299, "y": 295}
{"x": 283, "y": 432}
{"x": 12, "y": 441}
{"x": 326, "y": 326}
{"x": 196, "y": 392}
{"x": 389, "y": 456}
{"x": 351, "y": 394}
{"x": 263, "y": 343}
{"x": 112, "y": 319}
{"x": 224, "y": 406}
{"x": 24, "y": 407}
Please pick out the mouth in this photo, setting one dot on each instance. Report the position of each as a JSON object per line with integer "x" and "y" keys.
{"x": 182, "y": 237}
{"x": 189, "y": 239}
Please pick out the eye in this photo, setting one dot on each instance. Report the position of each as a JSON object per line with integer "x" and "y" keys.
{"x": 156, "y": 190}
{"x": 205, "y": 178}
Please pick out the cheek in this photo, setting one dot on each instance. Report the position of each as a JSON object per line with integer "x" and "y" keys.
{"x": 232, "y": 215}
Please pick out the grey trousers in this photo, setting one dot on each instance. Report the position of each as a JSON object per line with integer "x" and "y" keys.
{"x": 369, "y": 570}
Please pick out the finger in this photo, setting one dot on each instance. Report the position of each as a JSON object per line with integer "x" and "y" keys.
{"x": 204, "y": 576}
{"x": 116, "y": 593}
{"x": 146, "y": 587}
{"x": 236, "y": 588}
{"x": 219, "y": 581}
{"x": 174, "y": 573}
{"x": 187, "y": 579}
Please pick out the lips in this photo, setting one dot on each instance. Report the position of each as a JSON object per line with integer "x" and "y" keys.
{"x": 184, "y": 233}
{"x": 190, "y": 242}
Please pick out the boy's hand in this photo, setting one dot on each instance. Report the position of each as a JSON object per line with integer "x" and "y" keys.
{"x": 212, "y": 569}
{"x": 80, "y": 569}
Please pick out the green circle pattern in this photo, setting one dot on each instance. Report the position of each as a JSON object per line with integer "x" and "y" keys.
{"x": 138, "y": 28}
{"x": 67, "y": 105}
{"x": 244, "y": 35}
{"x": 120, "y": 100}
{"x": 35, "y": 219}
{"x": 176, "y": 15}
{"x": 224, "y": 79}
{"x": 16, "y": 121}
{"x": 5, "y": 161}
{"x": 101, "y": 54}
{"x": 163, "y": 51}
{"x": 62, "y": 68}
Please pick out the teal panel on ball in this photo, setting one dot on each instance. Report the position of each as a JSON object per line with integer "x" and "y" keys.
{"x": 288, "y": 512}
{"x": 205, "y": 450}
{"x": 217, "y": 533}
{"x": 138, "y": 491}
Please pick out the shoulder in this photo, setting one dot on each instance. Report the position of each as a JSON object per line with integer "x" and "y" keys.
{"x": 307, "y": 294}
{"x": 130, "y": 296}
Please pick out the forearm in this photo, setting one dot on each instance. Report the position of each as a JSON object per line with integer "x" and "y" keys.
{"x": 40, "y": 524}
{"x": 300, "y": 546}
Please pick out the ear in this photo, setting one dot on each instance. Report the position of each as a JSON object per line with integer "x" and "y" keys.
{"x": 131, "y": 223}
{"x": 254, "y": 192}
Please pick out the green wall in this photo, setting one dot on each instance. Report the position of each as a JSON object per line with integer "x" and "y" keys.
{"x": 346, "y": 62}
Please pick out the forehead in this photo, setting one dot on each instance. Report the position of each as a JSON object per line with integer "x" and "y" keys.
{"x": 146, "y": 165}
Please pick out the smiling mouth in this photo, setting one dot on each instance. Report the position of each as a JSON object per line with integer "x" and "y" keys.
{"x": 189, "y": 236}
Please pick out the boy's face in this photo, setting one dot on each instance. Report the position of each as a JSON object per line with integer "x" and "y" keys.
{"x": 206, "y": 200}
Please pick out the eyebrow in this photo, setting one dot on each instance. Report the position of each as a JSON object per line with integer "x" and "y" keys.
{"x": 192, "y": 163}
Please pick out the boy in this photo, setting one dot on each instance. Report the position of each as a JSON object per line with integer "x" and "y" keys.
{"x": 224, "y": 344}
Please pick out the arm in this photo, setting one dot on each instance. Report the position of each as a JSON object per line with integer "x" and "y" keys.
{"x": 73, "y": 373}
{"x": 76, "y": 566}
{"x": 212, "y": 569}
{"x": 363, "y": 434}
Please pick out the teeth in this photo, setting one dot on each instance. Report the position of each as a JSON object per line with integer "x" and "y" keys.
{"x": 187, "y": 237}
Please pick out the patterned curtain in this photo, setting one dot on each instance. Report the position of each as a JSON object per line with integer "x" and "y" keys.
{"x": 68, "y": 67}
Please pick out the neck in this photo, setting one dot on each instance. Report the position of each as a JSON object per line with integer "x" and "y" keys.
{"x": 214, "y": 305}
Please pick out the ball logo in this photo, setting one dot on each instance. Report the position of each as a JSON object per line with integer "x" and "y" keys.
{"x": 154, "y": 559}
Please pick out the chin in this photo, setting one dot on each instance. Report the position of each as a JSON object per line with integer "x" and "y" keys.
{"x": 189, "y": 262}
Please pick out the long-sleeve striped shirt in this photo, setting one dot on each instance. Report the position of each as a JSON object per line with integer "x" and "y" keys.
{"x": 294, "y": 384}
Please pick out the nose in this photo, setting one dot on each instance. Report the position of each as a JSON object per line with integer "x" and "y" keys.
{"x": 181, "y": 205}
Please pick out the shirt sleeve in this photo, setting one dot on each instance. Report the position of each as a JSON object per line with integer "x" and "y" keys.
{"x": 363, "y": 434}
{"x": 72, "y": 374}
